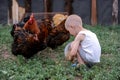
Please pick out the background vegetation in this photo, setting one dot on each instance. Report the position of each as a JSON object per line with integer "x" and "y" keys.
{"x": 51, "y": 65}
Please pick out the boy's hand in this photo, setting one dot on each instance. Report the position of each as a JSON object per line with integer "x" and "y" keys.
{"x": 70, "y": 58}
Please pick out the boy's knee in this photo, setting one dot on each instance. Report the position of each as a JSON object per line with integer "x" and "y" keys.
{"x": 67, "y": 49}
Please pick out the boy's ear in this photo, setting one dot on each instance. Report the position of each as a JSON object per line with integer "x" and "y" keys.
{"x": 71, "y": 27}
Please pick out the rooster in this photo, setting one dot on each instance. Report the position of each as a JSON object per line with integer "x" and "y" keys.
{"x": 32, "y": 26}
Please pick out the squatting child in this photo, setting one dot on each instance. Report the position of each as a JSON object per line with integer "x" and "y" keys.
{"x": 85, "y": 47}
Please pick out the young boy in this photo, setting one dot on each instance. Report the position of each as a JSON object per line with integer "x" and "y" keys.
{"x": 85, "y": 47}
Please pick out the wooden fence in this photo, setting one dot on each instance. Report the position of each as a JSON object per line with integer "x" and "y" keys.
{"x": 105, "y": 12}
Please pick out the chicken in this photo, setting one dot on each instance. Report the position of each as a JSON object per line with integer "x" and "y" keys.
{"x": 32, "y": 26}
{"x": 25, "y": 44}
{"x": 58, "y": 18}
{"x": 29, "y": 39}
{"x": 36, "y": 36}
{"x": 58, "y": 35}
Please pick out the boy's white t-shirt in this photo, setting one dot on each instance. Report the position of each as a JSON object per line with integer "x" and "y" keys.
{"x": 90, "y": 49}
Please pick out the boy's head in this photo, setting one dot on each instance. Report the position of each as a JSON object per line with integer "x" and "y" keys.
{"x": 73, "y": 22}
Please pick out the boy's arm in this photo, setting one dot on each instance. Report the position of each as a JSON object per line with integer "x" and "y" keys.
{"x": 76, "y": 44}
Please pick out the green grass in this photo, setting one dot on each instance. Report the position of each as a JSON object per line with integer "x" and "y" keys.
{"x": 51, "y": 64}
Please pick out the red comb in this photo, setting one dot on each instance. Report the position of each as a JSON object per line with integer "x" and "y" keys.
{"x": 32, "y": 15}
{"x": 31, "y": 18}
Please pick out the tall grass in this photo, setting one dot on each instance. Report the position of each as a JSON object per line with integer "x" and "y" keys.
{"x": 51, "y": 65}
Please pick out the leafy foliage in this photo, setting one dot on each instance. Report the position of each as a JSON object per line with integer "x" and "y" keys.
{"x": 51, "y": 65}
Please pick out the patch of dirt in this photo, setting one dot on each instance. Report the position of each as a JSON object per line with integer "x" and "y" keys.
{"x": 4, "y": 54}
{"x": 107, "y": 55}
{"x": 50, "y": 53}
{"x": 7, "y": 55}
{"x": 78, "y": 78}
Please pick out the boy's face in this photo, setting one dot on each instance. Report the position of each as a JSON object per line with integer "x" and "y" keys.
{"x": 71, "y": 30}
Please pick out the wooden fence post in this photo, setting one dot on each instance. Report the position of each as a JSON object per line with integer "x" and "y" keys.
{"x": 14, "y": 11}
{"x": 68, "y": 6}
{"x": 115, "y": 12}
{"x": 93, "y": 13}
{"x": 47, "y": 7}
{"x": 119, "y": 12}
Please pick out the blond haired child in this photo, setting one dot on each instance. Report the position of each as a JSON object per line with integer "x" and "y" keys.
{"x": 85, "y": 47}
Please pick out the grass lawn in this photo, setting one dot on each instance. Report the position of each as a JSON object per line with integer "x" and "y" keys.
{"x": 51, "y": 64}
